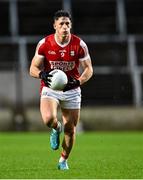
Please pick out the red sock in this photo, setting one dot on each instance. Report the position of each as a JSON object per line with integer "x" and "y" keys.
{"x": 63, "y": 157}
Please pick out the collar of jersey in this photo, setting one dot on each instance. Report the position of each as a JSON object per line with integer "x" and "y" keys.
{"x": 62, "y": 45}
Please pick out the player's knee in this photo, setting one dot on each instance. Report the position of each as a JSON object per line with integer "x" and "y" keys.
{"x": 69, "y": 130}
{"x": 48, "y": 120}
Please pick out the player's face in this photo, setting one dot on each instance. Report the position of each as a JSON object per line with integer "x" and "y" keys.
{"x": 62, "y": 26}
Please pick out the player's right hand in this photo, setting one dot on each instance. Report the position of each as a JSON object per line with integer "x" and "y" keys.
{"x": 46, "y": 77}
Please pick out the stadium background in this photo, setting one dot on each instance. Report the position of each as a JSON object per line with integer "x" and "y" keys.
{"x": 113, "y": 31}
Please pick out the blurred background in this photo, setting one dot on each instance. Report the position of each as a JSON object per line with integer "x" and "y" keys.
{"x": 113, "y": 31}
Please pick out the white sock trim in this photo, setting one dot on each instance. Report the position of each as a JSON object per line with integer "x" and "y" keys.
{"x": 59, "y": 126}
{"x": 62, "y": 159}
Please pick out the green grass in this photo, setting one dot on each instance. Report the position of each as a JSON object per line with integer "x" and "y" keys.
{"x": 101, "y": 155}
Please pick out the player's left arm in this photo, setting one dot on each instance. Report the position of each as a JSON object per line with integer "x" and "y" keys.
{"x": 87, "y": 70}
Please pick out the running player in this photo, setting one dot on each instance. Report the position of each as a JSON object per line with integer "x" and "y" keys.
{"x": 61, "y": 50}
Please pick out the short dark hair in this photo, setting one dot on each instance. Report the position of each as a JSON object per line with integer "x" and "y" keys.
{"x": 62, "y": 13}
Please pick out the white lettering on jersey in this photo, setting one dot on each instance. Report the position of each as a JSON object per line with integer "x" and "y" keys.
{"x": 51, "y": 52}
{"x": 62, "y": 52}
{"x": 72, "y": 53}
{"x": 62, "y": 65}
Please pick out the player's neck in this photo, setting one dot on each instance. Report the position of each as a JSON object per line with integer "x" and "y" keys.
{"x": 62, "y": 39}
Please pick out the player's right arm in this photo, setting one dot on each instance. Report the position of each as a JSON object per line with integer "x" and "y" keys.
{"x": 36, "y": 67}
{"x": 37, "y": 64}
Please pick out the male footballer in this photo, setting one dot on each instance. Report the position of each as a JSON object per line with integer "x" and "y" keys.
{"x": 65, "y": 51}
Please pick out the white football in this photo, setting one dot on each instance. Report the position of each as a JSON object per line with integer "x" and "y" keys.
{"x": 58, "y": 80}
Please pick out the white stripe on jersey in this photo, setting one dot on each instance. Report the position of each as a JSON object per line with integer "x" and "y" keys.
{"x": 85, "y": 48}
{"x": 41, "y": 41}
{"x": 39, "y": 44}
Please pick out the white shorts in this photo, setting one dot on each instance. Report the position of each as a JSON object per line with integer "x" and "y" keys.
{"x": 67, "y": 100}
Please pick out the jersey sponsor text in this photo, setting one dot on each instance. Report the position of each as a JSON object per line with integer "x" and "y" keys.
{"x": 62, "y": 65}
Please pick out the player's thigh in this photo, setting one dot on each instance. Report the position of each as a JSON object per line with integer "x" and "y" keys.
{"x": 70, "y": 116}
{"x": 48, "y": 108}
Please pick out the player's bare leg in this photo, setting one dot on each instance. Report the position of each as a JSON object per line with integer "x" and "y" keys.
{"x": 48, "y": 109}
{"x": 70, "y": 119}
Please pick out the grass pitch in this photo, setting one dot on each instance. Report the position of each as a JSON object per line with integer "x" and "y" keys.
{"x": 101, "y": 155}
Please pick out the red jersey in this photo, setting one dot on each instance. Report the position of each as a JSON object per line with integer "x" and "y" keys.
{"x": 64, "y": 57}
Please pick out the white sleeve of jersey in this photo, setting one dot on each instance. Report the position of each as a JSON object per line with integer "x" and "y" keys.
{"x": 86, "y": 52}
{"x": 38, "y": 46}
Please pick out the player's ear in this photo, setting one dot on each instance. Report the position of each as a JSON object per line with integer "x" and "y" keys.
{"x": 54, "y": 26}
{"x": 71, "y": 24}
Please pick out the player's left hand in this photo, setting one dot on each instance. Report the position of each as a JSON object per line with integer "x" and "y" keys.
{"x": 72, "y": 83}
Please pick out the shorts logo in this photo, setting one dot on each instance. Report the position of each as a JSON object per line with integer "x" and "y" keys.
{"x": 45, "y": 93}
